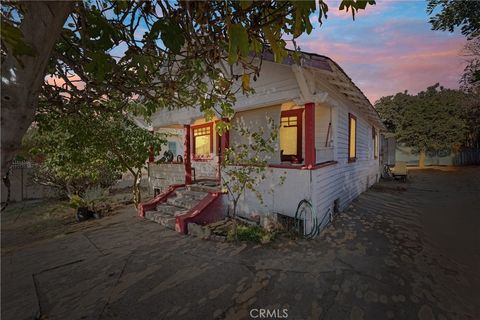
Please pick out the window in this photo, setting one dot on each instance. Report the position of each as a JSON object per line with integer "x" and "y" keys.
{"x": 172, "y": 147}
{"x": 352, "y": 138}
{"x": 290, "y": 135}
{"x": 375, "y": 143}
{"x": 202, "y": 140}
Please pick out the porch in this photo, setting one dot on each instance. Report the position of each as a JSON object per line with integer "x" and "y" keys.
{"x": 305, "y": 140}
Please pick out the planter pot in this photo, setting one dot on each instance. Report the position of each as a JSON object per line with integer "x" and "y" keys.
{"x": 84, "y": 214}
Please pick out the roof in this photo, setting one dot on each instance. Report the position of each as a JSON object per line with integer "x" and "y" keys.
{"x": 336, "y": 77}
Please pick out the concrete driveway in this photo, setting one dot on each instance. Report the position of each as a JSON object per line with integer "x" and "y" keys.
{"x": 394, "y": 254}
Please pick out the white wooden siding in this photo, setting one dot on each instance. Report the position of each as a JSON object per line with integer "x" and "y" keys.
{"x": 255, "y": 120}
{"x": 345, "y": 181}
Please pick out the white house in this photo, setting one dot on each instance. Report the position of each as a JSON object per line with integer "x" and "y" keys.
{"x": 328, "y": 146}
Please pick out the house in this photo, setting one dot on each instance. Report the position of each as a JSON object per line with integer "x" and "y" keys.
{"x": 328, "y": 146}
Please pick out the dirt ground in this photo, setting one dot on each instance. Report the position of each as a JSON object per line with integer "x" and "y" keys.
{"x": 25, "y": 223}
{"x": 401, "y": 251}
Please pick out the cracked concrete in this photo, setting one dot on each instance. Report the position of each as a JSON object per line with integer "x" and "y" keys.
{"x": 393, "y": 254}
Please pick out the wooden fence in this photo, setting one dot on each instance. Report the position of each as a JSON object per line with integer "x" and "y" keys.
{"x": 467, "y": 157}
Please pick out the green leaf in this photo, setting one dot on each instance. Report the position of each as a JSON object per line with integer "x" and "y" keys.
{"x": 256, "y": 46}
{"x": 120, "y": 6}
{"x": 301, "y": 23}
{"x": 172, "y": 35}
{"x": 14, "y": 40}
{"x": 237, "y": 42}
{"x": 245, "y": 4}
{"x": 99, "y": 65}
{"x": 245, "y": 82}
{"x": 276, "y": 43}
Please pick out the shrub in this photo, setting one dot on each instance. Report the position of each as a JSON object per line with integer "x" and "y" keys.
{"x": 250, "y": 233}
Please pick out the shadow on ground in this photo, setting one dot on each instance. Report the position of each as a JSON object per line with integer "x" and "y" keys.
{"x": 403, "y": 252}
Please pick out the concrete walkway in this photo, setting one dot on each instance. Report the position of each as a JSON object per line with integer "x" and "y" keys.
{"x": 393, "y": 255}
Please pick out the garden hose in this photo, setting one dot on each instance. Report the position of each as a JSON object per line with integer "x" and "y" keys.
{"x": 301, "y": 209}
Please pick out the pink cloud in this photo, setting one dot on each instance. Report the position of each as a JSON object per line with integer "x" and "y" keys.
{"x": 60, "y": 82}
{"x": 393, "y": 56}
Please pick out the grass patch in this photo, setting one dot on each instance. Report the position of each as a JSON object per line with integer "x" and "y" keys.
{"x": 250, "y": 233}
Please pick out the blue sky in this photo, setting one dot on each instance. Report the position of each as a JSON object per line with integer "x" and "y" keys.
{"x": 389, "y": 48}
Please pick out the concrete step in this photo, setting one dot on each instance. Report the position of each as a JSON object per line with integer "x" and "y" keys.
{"x": 162, "y": 218}
{"x": 178, "y": 203}
{"x": 170, "y": 209}
{"x": 195, "y": 195}
{"x": 186, "y": 203}
{"x": 204, "y": 188}
{"x": 186, "y": 198}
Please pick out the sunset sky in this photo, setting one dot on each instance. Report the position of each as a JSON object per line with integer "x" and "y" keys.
{"x": 388, "y": 48}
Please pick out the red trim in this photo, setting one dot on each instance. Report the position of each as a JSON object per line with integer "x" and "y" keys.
{"x": 224, "y": 144}
{"x": 304, "y": 167}
{"x": 186, "y": 161}
{"x": 199, "y": 214}
{"x": 310, "y": 156}
{"x": 205, "y": 125}
{"x": 351, "y": 116}
{"x": 151, "y": 156}
{"x": 295, "y": 113}
{"x": 162, "y": 197}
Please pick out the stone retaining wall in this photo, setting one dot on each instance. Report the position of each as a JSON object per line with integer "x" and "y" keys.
{"x": 160, "y": 176}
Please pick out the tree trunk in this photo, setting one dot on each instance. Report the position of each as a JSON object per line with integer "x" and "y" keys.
{"x": 21, "y": 84}
{"x": 137, "y": 197}
{"x": 421, "y": 161}
{"x": 234, "y": 224}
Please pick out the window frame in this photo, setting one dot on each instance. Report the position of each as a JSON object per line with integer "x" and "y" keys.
{"x": 350, "y": 117}
{"x": 299, "y": 114}
{"x": 200, "y": 126}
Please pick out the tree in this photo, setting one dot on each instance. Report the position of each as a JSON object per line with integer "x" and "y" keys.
{"x": 432, "y": 120}
{"x": 453, "y": 14}
{"x": 245, "y": 164}
{"x": 83, "y": 147}
{"x": 470, "y": 81}
{"x": 174, "y": 54}
{"x": 466, "y": 16}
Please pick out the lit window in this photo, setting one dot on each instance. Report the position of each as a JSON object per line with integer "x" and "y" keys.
{"x": 352, "y": 138}
{"x": 290, "y": 135}
{"x": 202, "y": 140}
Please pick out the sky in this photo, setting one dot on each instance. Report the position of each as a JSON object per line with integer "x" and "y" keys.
{"x": 389, "y": 48}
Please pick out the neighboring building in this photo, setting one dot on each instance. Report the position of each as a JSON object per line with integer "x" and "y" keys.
{"x": 329, "y": 139}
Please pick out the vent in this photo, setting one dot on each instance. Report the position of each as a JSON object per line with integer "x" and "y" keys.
{"x": 336, "y": 206}
{"x": 290, "y": 224}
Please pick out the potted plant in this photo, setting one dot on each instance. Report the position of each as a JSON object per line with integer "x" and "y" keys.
{"x": 88, "y": 205}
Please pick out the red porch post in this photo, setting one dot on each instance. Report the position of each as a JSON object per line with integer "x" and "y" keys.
{"x": 225, "y": 140}
{"x": 224, "y": 143}
{"x": 151, "y": 156}
{"x": 310, "y": 156}
{"x": 186, "y": 160}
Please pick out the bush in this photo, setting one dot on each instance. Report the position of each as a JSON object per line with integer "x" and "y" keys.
{"x": 250, "y": 233}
